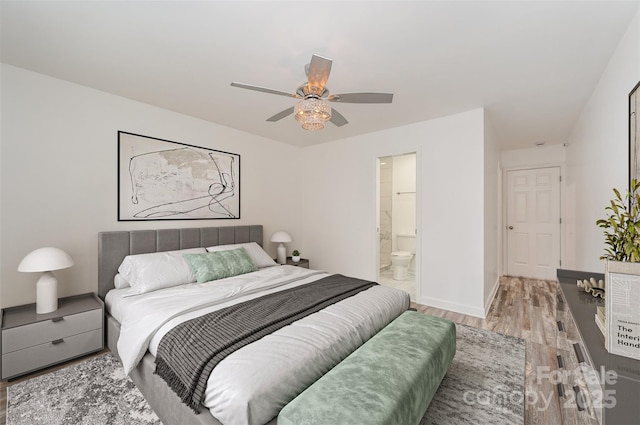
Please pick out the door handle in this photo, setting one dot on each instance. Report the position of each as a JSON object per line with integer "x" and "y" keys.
{"x": 510, "y": 227}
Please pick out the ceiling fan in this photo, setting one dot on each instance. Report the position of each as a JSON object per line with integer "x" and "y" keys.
{"x": 313, "y": 111}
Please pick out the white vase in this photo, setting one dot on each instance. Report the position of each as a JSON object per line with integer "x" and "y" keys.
{"x": 295, "y": 258}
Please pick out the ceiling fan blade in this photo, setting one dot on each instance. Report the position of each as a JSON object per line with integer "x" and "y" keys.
{"x": 280, "y": 115}
{"x": 337, "y": 118}
{"x": 264, "y": 90}
{"x": 318, "y": 73}
{"x": 361, "y": 98}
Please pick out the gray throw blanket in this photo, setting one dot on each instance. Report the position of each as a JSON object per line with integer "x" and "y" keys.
{"x": 188, "y": 353}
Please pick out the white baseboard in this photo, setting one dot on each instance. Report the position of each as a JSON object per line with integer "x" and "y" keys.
{"x": 457, "y": 308}
{"x": 489, "y": 300}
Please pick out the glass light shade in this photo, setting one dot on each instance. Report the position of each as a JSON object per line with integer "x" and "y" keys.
{"x": 312, "y": 123}
{"x": 312, "y": 112}
{"x": 281, "y": 237}
{"x": 45, "y": 259}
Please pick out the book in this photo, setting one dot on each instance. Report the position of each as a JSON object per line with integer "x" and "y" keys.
{"x": 622, "y": 312}
{"x": 600, "y": 311}
{"x": 601, "y": 325}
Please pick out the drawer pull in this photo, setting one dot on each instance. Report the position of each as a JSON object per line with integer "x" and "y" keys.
{"x": 576, "y": 348}
{"x": 579, "y": 399}
{"x": 57, "y": 319}
{"x": 58, "y": 341}
{"x": 560, "y": 389}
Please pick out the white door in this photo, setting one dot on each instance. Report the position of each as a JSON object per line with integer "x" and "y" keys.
{"x": 533, "y": 222}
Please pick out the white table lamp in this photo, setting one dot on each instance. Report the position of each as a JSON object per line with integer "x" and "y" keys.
{"x": 281, "y": 237}
{"x": 45, "y": 260}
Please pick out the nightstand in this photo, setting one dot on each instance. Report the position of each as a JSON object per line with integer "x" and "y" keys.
{"x": 32, "y": 341}
{"x": 304, "y": 263}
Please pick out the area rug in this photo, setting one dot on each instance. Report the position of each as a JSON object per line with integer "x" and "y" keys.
{"x": 484, "y": 385}
{"x": 94, "y": 392}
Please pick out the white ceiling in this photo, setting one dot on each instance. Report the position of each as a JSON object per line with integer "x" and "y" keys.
{"x": 531, "y": 64}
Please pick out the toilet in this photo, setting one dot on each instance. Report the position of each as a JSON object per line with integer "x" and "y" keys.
{"x": 400, "y": 259}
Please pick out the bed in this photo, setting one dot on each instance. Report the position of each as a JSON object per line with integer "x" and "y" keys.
{"x": 241, "y": 389}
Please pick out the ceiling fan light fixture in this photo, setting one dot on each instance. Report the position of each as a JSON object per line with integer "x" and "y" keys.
{"x": 312, "y": 123}
{"x": 312, "y": 112}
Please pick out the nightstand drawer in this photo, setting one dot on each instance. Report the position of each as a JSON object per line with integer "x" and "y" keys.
{"x": 32, "y": 358}
{"x": 34, "y": 334}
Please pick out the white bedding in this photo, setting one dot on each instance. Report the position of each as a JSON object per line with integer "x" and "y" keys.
{"x": 251, "y": 385}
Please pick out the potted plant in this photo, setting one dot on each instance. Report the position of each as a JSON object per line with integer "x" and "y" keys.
{"x": 622, "y": 270}
{"x": 295, "y": 256}
{"x": 622, "y": 226}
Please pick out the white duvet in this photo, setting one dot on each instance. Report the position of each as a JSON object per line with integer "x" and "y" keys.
{"x": 251, "y": 385}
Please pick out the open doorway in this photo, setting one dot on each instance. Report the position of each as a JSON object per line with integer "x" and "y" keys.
{"x": 397, "y": 222}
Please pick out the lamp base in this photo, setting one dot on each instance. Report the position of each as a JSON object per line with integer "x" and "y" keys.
{"x": 282, "y": 254}
{"x": 46, "y": 293}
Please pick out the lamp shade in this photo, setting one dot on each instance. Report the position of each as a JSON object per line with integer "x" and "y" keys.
{"x": 45, "y": 259}
{"x": 281, "y": 237}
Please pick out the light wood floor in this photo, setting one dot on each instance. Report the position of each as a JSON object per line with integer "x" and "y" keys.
{"x": 524, "y": 308}
{"x": 529, "y": 309}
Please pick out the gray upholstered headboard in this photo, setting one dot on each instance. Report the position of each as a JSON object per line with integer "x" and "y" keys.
{"x": 114, "y": 246}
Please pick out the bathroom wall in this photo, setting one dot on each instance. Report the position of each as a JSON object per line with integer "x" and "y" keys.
{"x": 386, "y": 210}
{"x": 404, "y": 196}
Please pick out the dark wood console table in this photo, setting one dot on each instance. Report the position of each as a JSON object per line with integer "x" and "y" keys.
{"x": 626, "y": 398}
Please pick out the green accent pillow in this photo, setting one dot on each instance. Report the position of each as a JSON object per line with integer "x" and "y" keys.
{"x": 220, "y": 264}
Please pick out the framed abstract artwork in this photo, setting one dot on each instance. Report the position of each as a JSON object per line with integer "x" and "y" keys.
{"x": 634, "y": 137}
{"x": 164, "y": 180}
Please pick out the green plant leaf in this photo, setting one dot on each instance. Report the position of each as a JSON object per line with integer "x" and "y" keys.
{"x": 621, "y": 226}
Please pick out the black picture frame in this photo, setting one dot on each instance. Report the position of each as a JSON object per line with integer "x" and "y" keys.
{"x": 160, "y": 179}
{"x": 634, "y": 137}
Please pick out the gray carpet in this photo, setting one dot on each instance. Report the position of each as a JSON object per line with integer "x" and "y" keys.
{"x": 94, "y": 392}
{"x": 485, "y": 384}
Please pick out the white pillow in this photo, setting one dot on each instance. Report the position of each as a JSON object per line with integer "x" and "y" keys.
{"x": 120, "y": 282}
{"x": 255, "y": 251}
{"x": 157, "y": 270}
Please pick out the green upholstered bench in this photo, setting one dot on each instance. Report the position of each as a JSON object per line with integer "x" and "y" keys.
{"x": 389, "y": 380}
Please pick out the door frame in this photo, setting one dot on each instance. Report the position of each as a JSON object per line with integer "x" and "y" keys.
{"x": 376, "y": 193}
{"x": 504, "y": 209}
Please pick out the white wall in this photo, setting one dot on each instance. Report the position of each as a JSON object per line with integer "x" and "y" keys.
{"x": 597, "y": 156}
{"x": 1, "y": 109}
{"x": 59, "y": 187}
{"x": 59, "y": 175}
{"x": 492, "y": 190}
{"x": 339, "y": 204}
{"x": 536, "y": 156}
